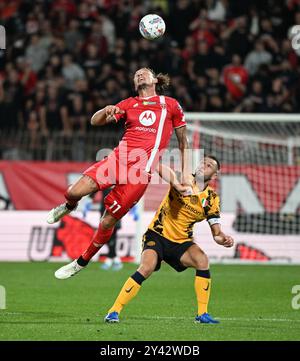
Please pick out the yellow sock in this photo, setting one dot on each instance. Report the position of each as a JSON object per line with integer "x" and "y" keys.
{"x": 202, "y": 288}
{"x": 127, "y": 293}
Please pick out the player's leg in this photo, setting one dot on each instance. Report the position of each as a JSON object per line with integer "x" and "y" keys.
{"x": 133, "y": 284}
{"x": 101, "y": 237}
{"x": 196, "y": 258}
{"x": 84, "y": 186}
{"x": 96, "y": 177}
{"x": 117, "y": 204}
{"x": 111, "y": 251}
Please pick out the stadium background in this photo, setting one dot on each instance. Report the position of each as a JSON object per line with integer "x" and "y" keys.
{"x": 65, "y": 59}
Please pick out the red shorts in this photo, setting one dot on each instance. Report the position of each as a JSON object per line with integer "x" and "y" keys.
{"x": 125, "y": 194}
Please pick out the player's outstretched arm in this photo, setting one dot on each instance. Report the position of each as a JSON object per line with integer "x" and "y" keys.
{"x": 106, "y": 115}
{"x": 168, "y": 175}
{"x": 184, "y": 149}
{"x": 220, "y": 237}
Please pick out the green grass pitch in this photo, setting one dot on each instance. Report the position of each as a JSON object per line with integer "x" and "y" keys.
{"x": 252, "y": 303}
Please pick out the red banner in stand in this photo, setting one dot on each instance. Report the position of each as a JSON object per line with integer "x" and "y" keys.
{"x": 37, "y": 185}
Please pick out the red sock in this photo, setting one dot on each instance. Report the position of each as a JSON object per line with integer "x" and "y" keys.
{"x": 100, "y": 237}
{"x": 71, "y": 202}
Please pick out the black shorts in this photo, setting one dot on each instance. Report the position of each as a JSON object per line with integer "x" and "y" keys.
{"x": 167, "y": 251}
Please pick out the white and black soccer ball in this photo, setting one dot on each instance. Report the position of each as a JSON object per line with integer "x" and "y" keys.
{"x": 152, "y": 26}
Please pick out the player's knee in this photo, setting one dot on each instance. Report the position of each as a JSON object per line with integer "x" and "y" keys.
{"x": 146, "y": 269}
{"x": 201, "y": 261}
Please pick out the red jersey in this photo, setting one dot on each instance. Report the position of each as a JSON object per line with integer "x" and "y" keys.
{"x": 240, "y": 75}
{"x": 149, "y": 124}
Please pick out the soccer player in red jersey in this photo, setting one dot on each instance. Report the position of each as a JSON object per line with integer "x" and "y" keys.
{"x": 149, "y": 122}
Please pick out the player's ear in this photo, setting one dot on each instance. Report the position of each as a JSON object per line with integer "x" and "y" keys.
{"x": 155, "y": 80}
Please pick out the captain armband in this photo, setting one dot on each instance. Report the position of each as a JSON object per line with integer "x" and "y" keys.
{"x": 214, "y": 220}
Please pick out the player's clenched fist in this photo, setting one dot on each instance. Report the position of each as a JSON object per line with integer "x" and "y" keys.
{"x": 228, "y": 241}
{"x": 110, "y": 110}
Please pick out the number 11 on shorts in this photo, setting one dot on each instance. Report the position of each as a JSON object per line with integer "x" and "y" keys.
{"x": 115, "y": 204}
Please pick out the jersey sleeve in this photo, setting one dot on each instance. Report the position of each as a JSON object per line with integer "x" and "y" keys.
{"x": 124, "y": 106}
{"x": 178, "y": 117}
{"x": 213, "y": 214}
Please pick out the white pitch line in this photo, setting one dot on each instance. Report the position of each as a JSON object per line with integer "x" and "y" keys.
{"x": 185, "y": 318}
{"x": 221, "y": 319}
{"x": 14, "y": 313}
{"x": 258, "y": 319}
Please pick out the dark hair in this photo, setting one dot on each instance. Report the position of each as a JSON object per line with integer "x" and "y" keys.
{"x": 163, "y": 81}
{"x": 215, "y": 159}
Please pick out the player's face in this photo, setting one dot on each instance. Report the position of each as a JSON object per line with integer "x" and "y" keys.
{"x": 207, "y": 170}
{"x": 143, "y": 78}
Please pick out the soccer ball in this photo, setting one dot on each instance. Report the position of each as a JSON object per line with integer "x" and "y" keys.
{"x": 152, "y": 26}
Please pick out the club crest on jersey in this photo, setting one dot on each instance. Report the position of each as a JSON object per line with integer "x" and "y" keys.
{"x": 194, "y": 199}
{"x": 147, "y": 118}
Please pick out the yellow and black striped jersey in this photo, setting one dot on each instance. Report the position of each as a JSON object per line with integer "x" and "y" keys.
{"x": 177, "y": 214}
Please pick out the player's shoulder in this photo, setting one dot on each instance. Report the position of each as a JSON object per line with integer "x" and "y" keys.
{"x": 211, "y": 192}
{"x": 174, "y": 104}
{"x": 170, "y": 100}
{"x": 127, "y": 101}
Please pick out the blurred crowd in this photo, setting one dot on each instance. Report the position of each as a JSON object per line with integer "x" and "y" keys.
{"x": 65, "y": 59}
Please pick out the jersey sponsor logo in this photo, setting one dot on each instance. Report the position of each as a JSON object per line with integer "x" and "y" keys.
{"x": 189, "y": 207}
{"x": 149, "y": 103}
{"x": 143, "y": 129}
{"x": 147, "y": 118}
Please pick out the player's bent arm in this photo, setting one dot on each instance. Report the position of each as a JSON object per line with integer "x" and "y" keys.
{"x": 106, "y": 115}
{"x": 184, "y": 149}
{"x": 99, "y": 118}
{"x": 168, "y": 175}
{"x": 220, "y": 237}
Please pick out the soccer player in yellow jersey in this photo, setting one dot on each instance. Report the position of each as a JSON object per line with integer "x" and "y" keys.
{"x": 169, "y": 237}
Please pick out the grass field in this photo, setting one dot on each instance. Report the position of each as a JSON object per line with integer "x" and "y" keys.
{"x": 252, "y": 303}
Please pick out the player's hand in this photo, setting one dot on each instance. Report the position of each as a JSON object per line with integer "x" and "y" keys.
{"x": 225, "y": 241}
{"x": 110, "y": 110}
{"x": 187, "y": 181}
{"x": 184, "y": 190}
{"x": 228, "y": 241}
